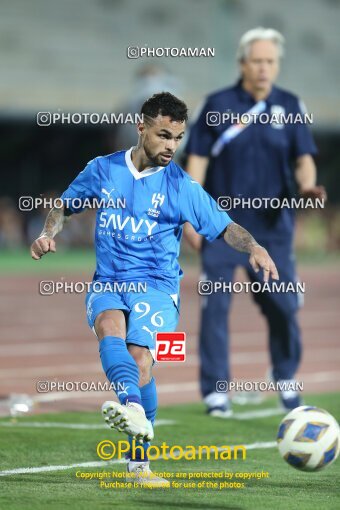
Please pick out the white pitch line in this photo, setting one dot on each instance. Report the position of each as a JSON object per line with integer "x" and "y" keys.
{"x": 43, "y": 469}
{"x": 248, "y": 415}
{"x": 55, "y": 396}
{"x": 77, "y": 426}
{"x": 261, "y": 413}
{"x": 62, "y": 395}
{"x": 259, "y": 446}
{"x": 316, "y": 377}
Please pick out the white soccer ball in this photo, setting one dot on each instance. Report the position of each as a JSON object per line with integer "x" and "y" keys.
{"x": 309, "y": 438}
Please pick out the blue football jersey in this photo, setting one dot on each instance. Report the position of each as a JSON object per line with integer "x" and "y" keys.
{"x": 140, "y": 218}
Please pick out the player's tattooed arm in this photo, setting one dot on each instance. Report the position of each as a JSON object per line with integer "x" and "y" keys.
{"x": 54, "y": 222}
{"x": 53, "y": 225}
{"x": 240, "y": 239}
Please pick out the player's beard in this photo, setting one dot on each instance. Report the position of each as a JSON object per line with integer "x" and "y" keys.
{"x": 155, "y": 159}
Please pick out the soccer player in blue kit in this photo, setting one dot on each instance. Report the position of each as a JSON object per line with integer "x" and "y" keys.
{"x": 140, "y": 243}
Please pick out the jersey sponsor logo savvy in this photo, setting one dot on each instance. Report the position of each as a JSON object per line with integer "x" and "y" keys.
{"x": 117, "y": 222}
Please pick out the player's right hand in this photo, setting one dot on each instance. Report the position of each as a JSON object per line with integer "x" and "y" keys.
{"x": 41, "y": 246}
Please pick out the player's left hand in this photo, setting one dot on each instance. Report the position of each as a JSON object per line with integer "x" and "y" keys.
{"x": 260, "y": 259}
{"x": 314, "y": 193}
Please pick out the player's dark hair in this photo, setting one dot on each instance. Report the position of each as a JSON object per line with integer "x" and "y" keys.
{"x": 167, "y": 105}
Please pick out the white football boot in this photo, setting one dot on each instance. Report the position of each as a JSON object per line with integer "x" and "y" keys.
{"x": 129, "y": 418}
{"x": 218, "y": 405}
{"x": 140, "y": 473}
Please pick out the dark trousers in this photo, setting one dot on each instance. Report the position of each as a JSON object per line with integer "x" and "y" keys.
{"x": 219, "y": 262}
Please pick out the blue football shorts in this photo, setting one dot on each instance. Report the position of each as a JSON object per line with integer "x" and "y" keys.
{"x": 147, "y": 313}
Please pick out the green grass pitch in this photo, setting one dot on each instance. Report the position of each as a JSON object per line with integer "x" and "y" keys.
{"x": 285, "y": 489}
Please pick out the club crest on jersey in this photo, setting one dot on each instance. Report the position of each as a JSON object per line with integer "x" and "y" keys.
{"x": 157, "y": 200}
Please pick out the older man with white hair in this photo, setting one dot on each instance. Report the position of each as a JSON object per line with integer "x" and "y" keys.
{"x": 266, "y": 154}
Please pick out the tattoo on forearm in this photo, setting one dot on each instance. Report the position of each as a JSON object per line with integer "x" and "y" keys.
{"x": 239, "y": 238}
{"x": 54, "y": 222}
